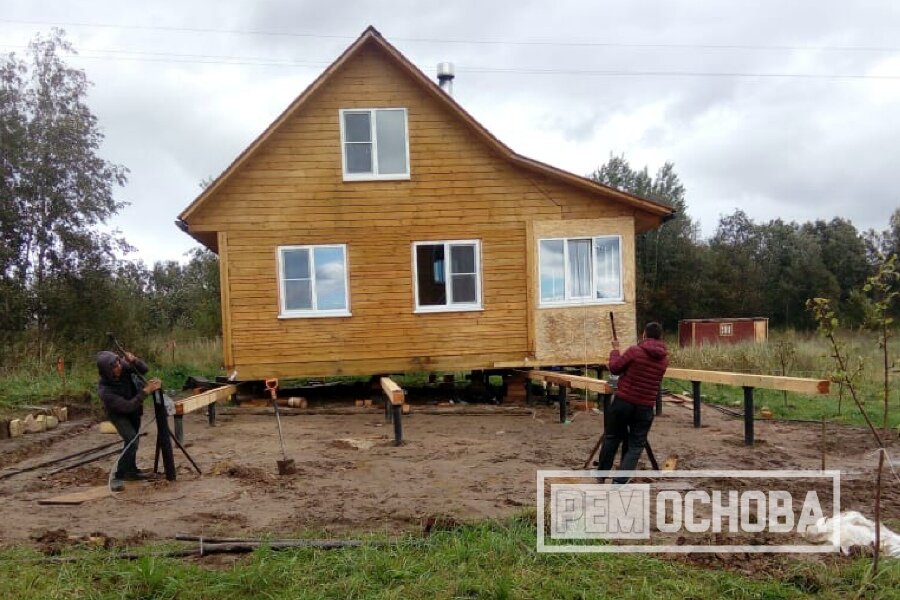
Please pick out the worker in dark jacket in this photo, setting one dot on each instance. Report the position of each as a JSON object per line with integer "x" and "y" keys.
{"x": 123, "y": 395}
{"x": 630, "y": 416}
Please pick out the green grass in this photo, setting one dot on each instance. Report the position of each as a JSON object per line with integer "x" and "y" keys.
{"x": 37, "y": 382}
{"x": 487, "y": 560}
{"x": 811, "y": 358}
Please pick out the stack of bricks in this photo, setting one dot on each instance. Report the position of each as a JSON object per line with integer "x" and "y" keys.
{"x": 50, "y": 418}
{"x": 515, "y": 388}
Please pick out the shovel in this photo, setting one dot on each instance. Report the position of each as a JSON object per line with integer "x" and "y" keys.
{"x": 286, "y": 466}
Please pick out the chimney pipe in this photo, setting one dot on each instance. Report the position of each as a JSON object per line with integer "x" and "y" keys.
{"x": 445, "y": 74}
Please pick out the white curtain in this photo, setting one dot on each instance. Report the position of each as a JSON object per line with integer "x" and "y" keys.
{"x": 580, "y": 268}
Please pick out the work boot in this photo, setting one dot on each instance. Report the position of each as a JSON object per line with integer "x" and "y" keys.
{"x": 137, "y": 476}
{"x": 116, "y": 485}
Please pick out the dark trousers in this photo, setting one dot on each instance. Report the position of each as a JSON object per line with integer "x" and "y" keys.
{"x": 629, "y": 424}
{"x": 127, "y": 426}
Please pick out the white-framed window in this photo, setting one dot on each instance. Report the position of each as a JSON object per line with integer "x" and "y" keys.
{"x": 447, "y": 275}
{"x": 312, "y": 281}
{"x": 580, "y": 270}
{"x": 726, "y": 329}
{"x": 374, "y": 143}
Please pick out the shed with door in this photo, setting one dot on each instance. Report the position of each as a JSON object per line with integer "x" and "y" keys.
{"x": 697, "y": 332}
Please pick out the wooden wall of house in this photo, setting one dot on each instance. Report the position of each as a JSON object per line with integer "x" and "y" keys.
{"x": 292, "y": 192}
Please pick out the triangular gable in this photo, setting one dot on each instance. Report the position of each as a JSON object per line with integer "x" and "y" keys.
{"x": 653, "y": 209}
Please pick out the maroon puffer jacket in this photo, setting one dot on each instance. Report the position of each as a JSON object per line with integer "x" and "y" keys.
{"x": 641, "y": 370}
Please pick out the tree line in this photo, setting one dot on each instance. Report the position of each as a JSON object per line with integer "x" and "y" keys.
{"x": 64, "y": 283}
{"x": 746, "y": 269}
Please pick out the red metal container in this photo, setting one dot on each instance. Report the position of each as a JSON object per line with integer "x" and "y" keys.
{"x": 695, "y": 332}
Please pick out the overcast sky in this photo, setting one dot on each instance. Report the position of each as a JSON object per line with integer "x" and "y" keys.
{"x": 781, "y": 108}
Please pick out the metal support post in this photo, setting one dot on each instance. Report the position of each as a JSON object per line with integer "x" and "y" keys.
{"x": 562, "y": 404}
{"x": 695, "y": 385}
{"x": 178, "y": 420}
{"x": 397, "y": 409}
{"x": 748, "y": 416}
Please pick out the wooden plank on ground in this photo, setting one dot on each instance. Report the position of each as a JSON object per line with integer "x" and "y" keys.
{"x": 76, "y": 498}
{"x": 574, "y": 381}
{"x": 203, "y": 399}
{"x": 393, "y": 391}
{"x": 799, "y": 385}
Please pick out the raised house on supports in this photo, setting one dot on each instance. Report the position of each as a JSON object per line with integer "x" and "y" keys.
{"x": 376, "y": 227}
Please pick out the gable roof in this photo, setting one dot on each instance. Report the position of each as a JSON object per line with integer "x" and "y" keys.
{"x": 372, "y": 36}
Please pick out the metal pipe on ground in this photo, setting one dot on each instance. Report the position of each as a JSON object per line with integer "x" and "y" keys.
{"x": 59, "y": 460}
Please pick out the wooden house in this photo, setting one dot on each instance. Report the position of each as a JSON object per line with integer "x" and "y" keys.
{"x": 376, "y": 227}
{"x": 697, "y": 332}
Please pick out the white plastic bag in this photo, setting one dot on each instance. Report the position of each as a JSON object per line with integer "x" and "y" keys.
{"x": 855, "y": 530}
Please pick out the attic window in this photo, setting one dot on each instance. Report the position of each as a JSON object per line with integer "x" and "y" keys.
{"x": 447, "y": 276}
{"x": 313, "y": 281}
{"x": 375, "y": 144}
{"x": 576, "y": 271}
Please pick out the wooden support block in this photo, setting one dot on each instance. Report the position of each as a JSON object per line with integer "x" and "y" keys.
{"x": 671, "y": 463}
{"x": 61, "y": 413}
{"x": 52, "y": 422}
{"x": 297, "y": 402}
{"x": 76, "y": 498}
{"x": 574, "y": 381}
{"x": 367, "y": 403}
{"x": 393, "y": 391}
{"x": 360, "y": 403}
{"x": 406, "y": 409}
{"x": 107, "y": 427}
{"x": 799, "y": 385}
{"x": 204, "y": 399}
{"x": 16, "y": 428}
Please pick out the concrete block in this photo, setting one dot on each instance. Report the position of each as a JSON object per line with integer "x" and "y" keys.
{"x": 34, "y": 424}
{"x": 16, "y": 428}
{"x": 107, "y": 427}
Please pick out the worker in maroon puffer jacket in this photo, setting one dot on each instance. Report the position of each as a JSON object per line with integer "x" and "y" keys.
{"x": 629, "y": 417}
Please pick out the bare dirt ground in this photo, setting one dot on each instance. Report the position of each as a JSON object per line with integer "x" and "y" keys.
{"x": 463, "y": 467}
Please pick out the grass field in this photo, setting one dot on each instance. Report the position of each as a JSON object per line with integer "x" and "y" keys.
{"x": 806, "y": 355}
{"x": 33, "y": 382}
{"x": 488, "y": 560}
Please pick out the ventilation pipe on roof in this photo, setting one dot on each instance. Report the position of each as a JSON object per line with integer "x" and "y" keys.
{"x": 445, "y": 74}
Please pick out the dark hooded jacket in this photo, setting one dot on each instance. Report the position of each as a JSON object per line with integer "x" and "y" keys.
{"x": 641, "y": 369}
{"x": 122, "y": 396}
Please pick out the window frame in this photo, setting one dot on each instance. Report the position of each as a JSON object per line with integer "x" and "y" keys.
{"x": 374, "y": 175}
{"x": 568, "y": 299}
{"x": 726, "y": 329}
{"x": 478, "y": 305}
{"x": 308, "y": 313}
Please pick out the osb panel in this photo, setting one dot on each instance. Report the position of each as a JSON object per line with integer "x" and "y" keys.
{"x": 582, "y": 334}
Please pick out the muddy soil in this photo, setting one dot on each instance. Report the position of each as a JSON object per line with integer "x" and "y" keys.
{"x": 350, "y": 476}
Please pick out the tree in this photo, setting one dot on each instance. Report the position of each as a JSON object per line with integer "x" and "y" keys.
{"x": 58, "y": 188}
{"x": 734, "y": 275}
{"x": 186, "y": 296}
{"x": 665, "y": 256}
{"x": 793, "y": 272}
{"x": 843, "y": 252}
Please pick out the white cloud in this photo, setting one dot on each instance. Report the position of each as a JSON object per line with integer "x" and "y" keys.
{"x": 795, "y": 148}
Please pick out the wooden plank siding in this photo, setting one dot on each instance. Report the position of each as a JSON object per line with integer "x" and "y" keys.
{"x": 290, "y": 191}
